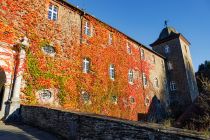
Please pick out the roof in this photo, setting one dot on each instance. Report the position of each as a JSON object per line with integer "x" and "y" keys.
{"x": 168, "y": 33}
{"x": 83, "y": 13}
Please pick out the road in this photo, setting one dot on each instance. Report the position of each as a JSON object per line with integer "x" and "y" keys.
{"x": 23, "y": 132}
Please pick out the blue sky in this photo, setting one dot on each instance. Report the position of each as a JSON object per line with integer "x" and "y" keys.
{"x": 144, "y": 19}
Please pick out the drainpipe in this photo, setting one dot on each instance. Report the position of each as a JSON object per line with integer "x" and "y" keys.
{"x": 14, "y": 106}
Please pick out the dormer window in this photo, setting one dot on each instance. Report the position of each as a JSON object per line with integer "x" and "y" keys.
{"x": 53, "y": 12}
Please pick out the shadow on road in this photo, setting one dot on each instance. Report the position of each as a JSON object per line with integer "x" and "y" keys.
{"x": 23, "y": 132}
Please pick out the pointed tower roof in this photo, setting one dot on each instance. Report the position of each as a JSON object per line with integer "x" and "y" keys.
{"x": 168, "y": 33}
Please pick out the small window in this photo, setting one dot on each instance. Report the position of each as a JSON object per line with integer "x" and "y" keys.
{"x": 147, "y": 101}
{"x": 170, "y": 66}
{"x": 87, "y": 28}
{"x": 112, "y": 72}
{"x": 167, "y": 49}
{"x": 86, "y": 65}
{"x": 144, "y": 79}
{"x": 142, "y": 54}
{"x": 153, "y": 59}
{"x": 156, "y": 84}
{"x": 132, "y": 100}
{"x": 49, "y": 50}
{"x": 45, "y": 94}
{"x": 114, "y": 99}
{"x": 130, "y": 76}
{"x": 110, "y": 38}
{"x": 129, "y": 48}
{"x": 173, "y": 86}
{"x": 85, "y": 96}
{"x": 53, "y": 12}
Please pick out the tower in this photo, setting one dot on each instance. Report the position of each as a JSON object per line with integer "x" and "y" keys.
{"x": 179, "y": 69}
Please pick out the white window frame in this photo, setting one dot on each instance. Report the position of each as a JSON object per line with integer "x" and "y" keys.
{"x": 87, "y": 27}
{"x": 144, "y": 77}
{"x": 112, "y": 72}
{"x": 86, "y": 65}
{"x": 173, "y": 86}
{"x": 156, "y": 82}
{"x": 131, "y": 76}
{"x": 53, "y": 12}
{"x": 166, "y": 49}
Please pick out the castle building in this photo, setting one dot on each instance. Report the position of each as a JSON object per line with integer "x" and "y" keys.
{"x": 72, "y": 60}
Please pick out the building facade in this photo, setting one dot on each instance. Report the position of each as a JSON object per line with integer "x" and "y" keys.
{"x": 72, "y": 60}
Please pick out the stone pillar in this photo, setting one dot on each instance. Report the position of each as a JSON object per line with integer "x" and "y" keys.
{"x": 14, "y": 106}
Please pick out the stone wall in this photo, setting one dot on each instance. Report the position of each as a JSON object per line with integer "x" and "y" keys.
{"x": 72, "y": 125}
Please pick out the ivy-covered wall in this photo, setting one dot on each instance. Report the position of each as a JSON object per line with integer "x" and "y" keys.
{"x": 62, "y": 74}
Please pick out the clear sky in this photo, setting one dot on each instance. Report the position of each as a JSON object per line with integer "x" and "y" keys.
{"x": 144, "y": 19}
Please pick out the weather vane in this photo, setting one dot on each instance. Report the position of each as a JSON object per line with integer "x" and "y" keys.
{"x": 166, "y": 23}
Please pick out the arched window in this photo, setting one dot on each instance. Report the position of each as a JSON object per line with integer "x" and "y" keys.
{"x": 112, "y": 72}
{"x": 86, "y": 65}
{"x": 130, "y": 76}
{"x": 156, "y": 84}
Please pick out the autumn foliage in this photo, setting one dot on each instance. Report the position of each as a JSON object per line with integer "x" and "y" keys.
{"x": 64, "y": 71}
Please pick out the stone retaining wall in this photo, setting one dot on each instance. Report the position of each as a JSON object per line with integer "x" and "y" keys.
{"x": 73, "y": 125}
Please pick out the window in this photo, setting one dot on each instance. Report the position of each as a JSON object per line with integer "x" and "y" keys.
{"x": 86, "y": 65}
{"x": 49, "y": 50}
{"x": 153, "y": 59}
{"x": 147, "y": 101}
{"x": 129, "y": 48}
{"x": 85, "y": 97}
{"x": 53, "y": 12}
{"x": 132, "y": 100}
{"x": 130, "y": 76}
{"x": 170, "y": 66}
{"x": 110, "y": 38}
{"x": 87, "y": 28}
{"x": 144, "y": 79}
{"x": 172, "y": 86}
{"x": 112, "y": 72}
{"x": 142, "y": 54}
{"x": 167, "y": 49}
{"x": 156, "y": 84}
{"x": 114, "y": 99}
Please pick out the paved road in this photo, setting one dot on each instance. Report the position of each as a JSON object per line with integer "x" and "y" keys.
{"x": 23, "y": 132}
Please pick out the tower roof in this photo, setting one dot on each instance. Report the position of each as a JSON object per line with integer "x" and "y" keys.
{"x": 166, "y": 32}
